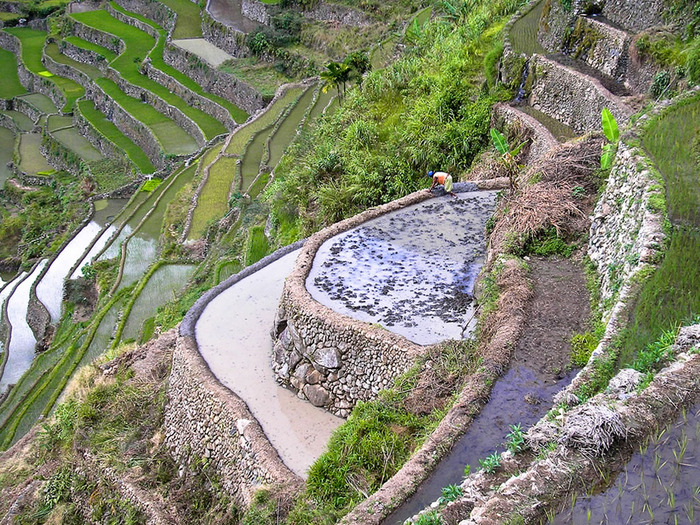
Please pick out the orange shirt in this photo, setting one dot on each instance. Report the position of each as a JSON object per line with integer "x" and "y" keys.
{"x": 440, "y": 176}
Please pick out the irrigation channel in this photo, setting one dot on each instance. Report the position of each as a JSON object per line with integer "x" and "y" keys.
{"x": 538, "y": 370}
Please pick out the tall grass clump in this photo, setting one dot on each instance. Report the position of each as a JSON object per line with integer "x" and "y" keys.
{"x": 671, "y": 296}
{"x": 430, "y": 109}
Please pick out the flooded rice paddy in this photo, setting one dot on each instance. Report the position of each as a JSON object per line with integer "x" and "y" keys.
{"x": 20, "y": 351}
{"x": 233, "y": 335}
{"x": 660, "y": 484}
{"x": 411, "y": 271}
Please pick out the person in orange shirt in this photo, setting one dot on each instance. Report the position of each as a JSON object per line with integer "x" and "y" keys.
{"x": 441, "y": 177}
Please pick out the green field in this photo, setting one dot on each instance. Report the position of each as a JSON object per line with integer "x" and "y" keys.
{"x": 24, "y": 123}
{"x": 9, "y": 81}
{"x": 156, "y": 56}
{"x": 212, "y": 203}
{"x": 40, "y": 102}
{"x": 62, "y": 130}
{"x": 189, "y": 18}
{"x": 54, "y": 52}
{"x": 108, "y": 54}
{"x": 138, "y": 45}
{"x": 173, "y": 139}
{"x": 32, "y": 161}
{"x": 32, "y": 41}
{"x": 114, "y": 135}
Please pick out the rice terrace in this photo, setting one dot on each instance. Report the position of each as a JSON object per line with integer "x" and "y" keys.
{"x": 307, "y": 262}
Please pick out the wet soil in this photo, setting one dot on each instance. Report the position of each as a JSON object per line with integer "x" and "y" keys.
{"x": 539, "y": 369}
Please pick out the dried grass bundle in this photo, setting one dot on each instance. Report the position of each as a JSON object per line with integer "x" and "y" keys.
{"x": 592, "y": 429}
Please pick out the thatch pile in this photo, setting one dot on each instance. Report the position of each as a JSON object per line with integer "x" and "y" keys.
{"x": 555, "y": 192}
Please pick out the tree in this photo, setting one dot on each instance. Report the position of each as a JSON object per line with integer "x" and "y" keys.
{"x": 336, "y": 75}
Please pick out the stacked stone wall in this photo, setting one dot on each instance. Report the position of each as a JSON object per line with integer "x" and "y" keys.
{"x": 134, "y": 22}
{"x": 601, "y": 46}
{"x": 156, "y": 11}
{"x": 541, "y": 140}
{"x": 64, "y": 70}
{"x": 326, "y": 12}
{"x": 330, "y": 359}
{"x": 100, "y": 38}
{"x": 21, "y": 105}
{"x": 191, "y": 98}
{"x": 255, "y": 10}
{"x": 204, "y": 419}
{"x": 572, "y": 98}
{"x": 83, "y": 55}
{"x": 127, "y": 124}
{"x": 224, "y": 37}
{"x": 214, "y": 81}
{"x": 105, "y": 146}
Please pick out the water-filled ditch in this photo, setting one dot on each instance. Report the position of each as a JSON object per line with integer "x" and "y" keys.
{"x": 228, "y": 12}
{"x": 412, "y": 271}
{"x": 521, "y": 396}
{"x": 233, "y": 335}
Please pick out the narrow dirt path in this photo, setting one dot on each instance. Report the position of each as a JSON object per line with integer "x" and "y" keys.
{"x": 538, "y": 370}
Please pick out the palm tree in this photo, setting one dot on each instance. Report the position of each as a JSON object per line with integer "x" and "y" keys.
{"x": 336, "y": 75}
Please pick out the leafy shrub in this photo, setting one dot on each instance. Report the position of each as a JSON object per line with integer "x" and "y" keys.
{"x": 431, "y": 518}
{"x": 582, "y": 346}
{"x": 661, "y": 81}
{"x": 516, "y": 439}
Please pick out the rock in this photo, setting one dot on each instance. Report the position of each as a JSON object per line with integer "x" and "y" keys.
{"x": 624, "y": 383}
{"x": 317, "y": 395}
{"x": 313, "y": 377}
{"x": 688, "y": 338}
{"x": 326, "y": 358}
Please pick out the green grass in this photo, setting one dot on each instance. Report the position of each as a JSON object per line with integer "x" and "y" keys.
{"x": 52, "y": 50}
{"x": 138, "y": 45}
{"x": 108, "y": 54}
{"x": 173, "y": 139}
{"x": 55, "y": 122}
{"x": 32, "y": 41}
{"x": 260, "y": 75}
{"x": 671, "y": 296}
{"x": 114, "y": 135}
{"x": 212, "y": 203}
{"x": 9, "y": 81}
{"x": 258, "y": 247}
{"x": 189, "y": 18}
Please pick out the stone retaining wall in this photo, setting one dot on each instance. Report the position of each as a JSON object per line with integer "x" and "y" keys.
{"x": 29, "y": 80}
{"x": 224, "y": 37}
{"x": 97, "y": 139}
{"x": 21, "y": 105}
{"x": 134, "y": 22}
{"x": 83, "y": 55}
{"x": 64, "y": 70}
{"x": 329, "y": 358}
{"x": 203, "y": 419}
{"x": 512, "y": 63}
{"x": 627, "y": 238}
{"x": 156, "y": 11}
{"x": 571, "y": 97}
{"x": 601, "y": 46}
{"x": 542, "y": 139}
{"x": 255, "y": 10}
{"x": 214, "y": 81}
{"x": 127, "y": 124}
{"x": 160, "y": 105}
{"x": 100, "y": 38}
{"x": 191, "y": 98}
{"x": 326, "y": 12}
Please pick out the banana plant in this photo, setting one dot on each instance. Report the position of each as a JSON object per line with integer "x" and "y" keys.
{"x": 507, "y": 156}
{"x": 612, "y": 133}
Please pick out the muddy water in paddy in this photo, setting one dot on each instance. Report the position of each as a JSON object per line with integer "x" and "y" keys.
{"x": 229, "y": 12}
{"x": 412, "y": 271}
{"x": 233, "y": 335}
{"x": 20, "y": 351}
{"x": 558, "y": 309}
{"x": 660, "y": 484}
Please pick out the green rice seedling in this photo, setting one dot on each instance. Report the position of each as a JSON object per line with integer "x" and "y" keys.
{"x": 450, "y": 493}
{"x": 516, "y": 439}
{"x": 490, "y": 463}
